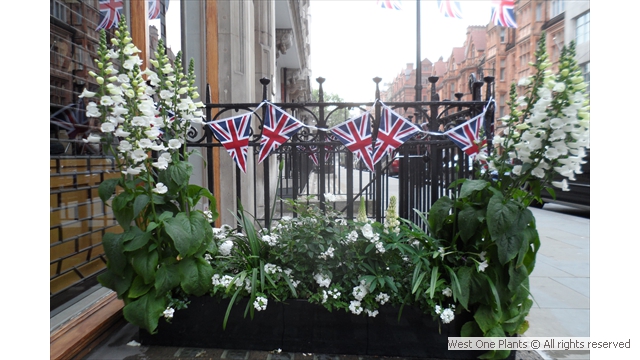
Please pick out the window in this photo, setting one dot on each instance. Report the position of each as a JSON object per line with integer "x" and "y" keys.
{"x": 582, "y": 29}
{"x": 58, "y": 10}
{"x": 502, "y": 105}
{"x": 503, "y": 68}
{"x": 539, "y": 12}
{"x": 503, "y": 36}
{"x": 557, "y": 7}
{"x": 452, "y": 90}
{"x": 586, "y": 75}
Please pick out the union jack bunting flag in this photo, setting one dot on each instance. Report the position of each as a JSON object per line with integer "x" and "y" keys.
{"x": 355, "y": 135}
{"x": 233, "y": 133}
{"x": 109, "y": 13}
{"x": 466, "y": 135}
{"x": 278, "y": 128}
{"x": 155, "y": 8}
{"x": 502, "y": 13}
{"x": 394, "y": 131}
{"x": 390, "y": 4}
{"x": 450, "y": 8}
{"x": 313, "y": 152}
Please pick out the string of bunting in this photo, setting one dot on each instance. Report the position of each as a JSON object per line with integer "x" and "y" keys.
{"x": 355, "y": 134}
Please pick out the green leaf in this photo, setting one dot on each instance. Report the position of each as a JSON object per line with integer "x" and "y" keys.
{"x": 503, "y": 222}
{"x": 135, "y": 239}
{"x": 139, "y": 287}
{"x": 114, "y": 250}
{"x": 141, "y": 201}
{"x": 195, "y": 276}
{"x": 145, "y": 311}
{"x": 470, "y": 329}
{"x": 468, "y": 221}
{"x": 464, "y": 279}
{"x": 145, "y": 264}
{"x": 516, "y": 276}
{"x": 180, "y": 173}
{"x": 438, "y": 214}
{"x": 486, "y": 318}
{"x": 469, "y": 186}
{"x": 434, "y": 279}
{"x": 122, "y": 211}
{"x": 167, "y": 278}
{"x": 107, "y": 188}
{"x": 188, "y": 232}
{"x": 118, "y": 283}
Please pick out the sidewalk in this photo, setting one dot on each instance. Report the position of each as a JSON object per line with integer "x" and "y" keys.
{"x": 559, "y": 285}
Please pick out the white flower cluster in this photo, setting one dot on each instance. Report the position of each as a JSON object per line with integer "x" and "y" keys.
{"x": 372, "y": 313}
{"x": 447, "y": 314}
{"x": 391, "y": 222}
{"x": 382, "y": 298}
{"x": 272, "y": 269}
{"x": 360, "y": 291}
{"x": 226, "y": 280}
{"x": 260, "y": 303}
{"x": 553, "y": 134}
{"x": 322, "y": 280}
{"x": 288, "y": 272}
{"x": 271, "y": 240}
{"x": 225, "y": 247}
{"x": 355, "y": 307}
{"x": 329, "y": 253}
{"x": 127, "y": 110}
{"x": 334, "y": 293}
{"x": 351, "y": 238}
{"x": 373, "y": 237}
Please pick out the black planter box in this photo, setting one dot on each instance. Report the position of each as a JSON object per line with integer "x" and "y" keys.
{"x": 297, "y": 326}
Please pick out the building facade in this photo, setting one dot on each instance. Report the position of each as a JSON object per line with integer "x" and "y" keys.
{"x": 505, "y": 53}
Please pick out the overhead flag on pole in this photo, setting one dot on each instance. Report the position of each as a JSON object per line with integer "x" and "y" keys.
{"x": 467, "y": 135}
{"x": 502, "y": 13}
{"x": 110, "y": 11}
{"x": 393, "y": 132}
{"x": 450, "y": 9}
{"x": 278, "y": 128}
{"x": 233, "y": 133}
{"x": 355, "y": 135}
{"x": 390, "y": 4}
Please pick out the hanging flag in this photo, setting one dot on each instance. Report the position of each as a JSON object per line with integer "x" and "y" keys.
{"x": 233, "y": 133}
{"x": 110, "y": 11}
{"x": 502, "y": 13}
{"x": 72, "y": 118}
{"x": 355, "y": 134}
{"x": 467, "y": 135}
{"x": 313, "y": 151}
{"x": 450, "y": 8}
{"x": 278, "y": 128}
{"x": 155, "y": 8}
{"x": 390, "y": 4}
{"x": 394, "y": 131}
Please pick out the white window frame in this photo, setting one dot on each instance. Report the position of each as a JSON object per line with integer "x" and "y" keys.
{"x": 582, "y": 28}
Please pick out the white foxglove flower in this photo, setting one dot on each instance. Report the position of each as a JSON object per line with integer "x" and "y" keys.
{"x": 86, "y": 93}
{"x": 107, "y": 127}
{"x": 483, "y": 265}
{"x": 121, "y": 133}
{"x": 92, "y": 110}
{"x": 92, "y": 138}
{"x": 564, "y": 185}
{"x": 160, "y": 188}
{"x": 174, "y": 144}
{"x": 125, "y": 146}
{"x": 138, "y": 155}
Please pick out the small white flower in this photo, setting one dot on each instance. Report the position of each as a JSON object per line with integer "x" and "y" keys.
{"x": 168, "y": 313}
{"x": 160, "y": 188}
{"x": 367, "y": 231}
{"x": 225, "y": 248}
{"x": 447, "y": 292}
{"x": 260, "y": 303}
{"x": 447, "y": 316}
{"x": 355, "y": 307}
{"x": 174, "y": 144}
{"x": 483, "y": 265}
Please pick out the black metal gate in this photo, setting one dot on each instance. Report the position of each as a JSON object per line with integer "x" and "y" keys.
{"x": 426, "y": 164}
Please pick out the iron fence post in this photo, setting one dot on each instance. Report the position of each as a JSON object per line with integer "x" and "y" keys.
{"x": 490, "y": 115}
{"x": 267, "y": 184}
{"x": 434, "y": 167}
{"x": 322, "y": 138}
{"x": 377, "y": 201}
